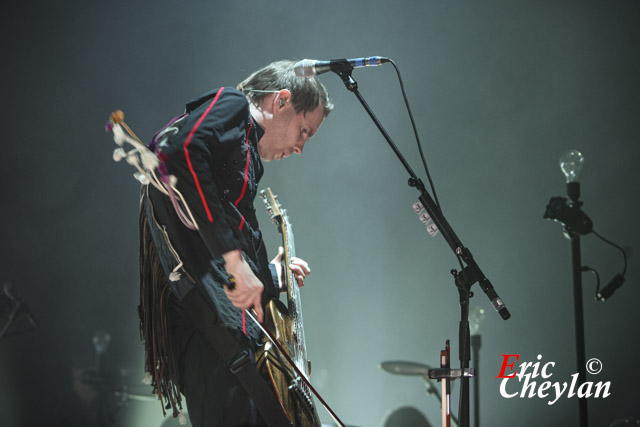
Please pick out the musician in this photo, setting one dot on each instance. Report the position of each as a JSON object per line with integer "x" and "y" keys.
{"x": 216, "y": 152}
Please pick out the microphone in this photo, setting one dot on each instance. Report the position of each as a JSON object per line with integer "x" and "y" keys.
{"x": 14, "y": 295}
{"x": 310, "y": 67}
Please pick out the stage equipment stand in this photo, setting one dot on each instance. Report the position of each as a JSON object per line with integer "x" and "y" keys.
{"x": 476, "y": 342}
{"x": 575, "y": 222}
{"x": 579, "y": 321}
{"x": 101, "y": 341}
{"x": 12, "y": 305}
{"x": 476, "y": 319}
{"x": 464, "y": 279}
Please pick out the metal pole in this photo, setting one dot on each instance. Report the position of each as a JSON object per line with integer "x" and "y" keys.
{"x": 579, "y": 320}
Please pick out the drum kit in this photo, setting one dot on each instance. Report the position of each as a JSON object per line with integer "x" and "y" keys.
{"x": 98, "y": 394}
{"x": 404, "y": 414}
{"x": 445, "y": 375}
{"x": 114, "y": 392}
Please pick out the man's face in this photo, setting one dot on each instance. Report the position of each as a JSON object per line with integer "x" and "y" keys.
{"x": 287, "y": 131}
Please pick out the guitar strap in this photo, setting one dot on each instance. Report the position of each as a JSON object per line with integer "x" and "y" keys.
{"x": 237, "y": 359}
{"x": 204, "y": 315}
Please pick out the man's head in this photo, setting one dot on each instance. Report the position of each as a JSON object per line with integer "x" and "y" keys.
{"x": 306, "y": 94}
{"x": 289, "y": 108}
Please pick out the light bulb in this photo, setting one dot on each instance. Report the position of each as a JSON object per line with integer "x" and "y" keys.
{"x": 571, "y": 163}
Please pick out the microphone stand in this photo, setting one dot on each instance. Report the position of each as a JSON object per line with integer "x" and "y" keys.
{"x": 476, "y": 343}
{"x": 101, "y": 342}
{"x": 10, "y": 317}
{"x": 464, "y": 279}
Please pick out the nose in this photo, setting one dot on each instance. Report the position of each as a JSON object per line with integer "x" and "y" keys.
{"x": 299, "y": 147}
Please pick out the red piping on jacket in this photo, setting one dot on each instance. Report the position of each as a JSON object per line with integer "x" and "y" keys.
{"x": 185, "y": 147}
{"x": 244, "y": 323}
{"x": 246, "y": 174}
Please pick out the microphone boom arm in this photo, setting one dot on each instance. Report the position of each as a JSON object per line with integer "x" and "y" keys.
{"x": 463, "y": 280}
{"x": 472, "y": 270}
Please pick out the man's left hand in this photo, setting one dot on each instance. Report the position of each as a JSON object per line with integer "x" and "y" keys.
{"x": 299, "y": 268}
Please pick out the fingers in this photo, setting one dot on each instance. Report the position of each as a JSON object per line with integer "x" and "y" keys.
{"x": 254, "y": 302}
{"x": 244, "y": 295}
{"x": 300, "y": 270}
{"x": 247, "y": 290}
{"x": 247, "y": 302}
{"x": 295, "y": 261}
{"x": 244, "y": 299}
{"x": 257, "y": 307}
{"x": 298, "y": 273}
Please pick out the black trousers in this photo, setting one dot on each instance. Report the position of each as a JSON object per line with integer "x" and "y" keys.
{"x": 215, "y": 397}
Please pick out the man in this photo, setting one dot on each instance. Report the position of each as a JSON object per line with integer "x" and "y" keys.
{"x": 216, "y": 151}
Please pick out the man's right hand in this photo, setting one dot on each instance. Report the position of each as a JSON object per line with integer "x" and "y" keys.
{"x": 247, "y": 291}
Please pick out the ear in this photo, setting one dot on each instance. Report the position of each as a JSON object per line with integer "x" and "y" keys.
{"x": 280, "y": 100}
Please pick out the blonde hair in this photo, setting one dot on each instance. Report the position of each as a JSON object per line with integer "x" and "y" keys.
{"x": 306, "y": 93}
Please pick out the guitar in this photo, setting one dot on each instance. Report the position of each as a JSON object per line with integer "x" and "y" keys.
{"x": 285, "y": 321}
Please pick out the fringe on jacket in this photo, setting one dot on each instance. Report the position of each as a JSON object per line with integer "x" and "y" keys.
{"x": 160, "y": 361}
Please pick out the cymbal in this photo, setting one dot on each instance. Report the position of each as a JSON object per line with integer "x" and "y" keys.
{"x": 138, "y": 397}
{"x": 401, "y": 367}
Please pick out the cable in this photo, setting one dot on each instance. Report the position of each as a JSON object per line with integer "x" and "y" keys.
{"x": 595, "y": 272}
{"x": 624, "y": 255}
{"x": 415, "y": 132}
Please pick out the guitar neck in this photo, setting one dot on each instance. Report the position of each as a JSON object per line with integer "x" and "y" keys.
{"x": 279, "y": 216}
{"x": 293, "y": 298}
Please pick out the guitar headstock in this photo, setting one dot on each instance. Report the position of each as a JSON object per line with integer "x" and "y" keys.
{"x": 273, "y": 206}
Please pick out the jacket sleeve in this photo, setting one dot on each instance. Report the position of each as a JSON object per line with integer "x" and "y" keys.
{"x": 214, "y": 128}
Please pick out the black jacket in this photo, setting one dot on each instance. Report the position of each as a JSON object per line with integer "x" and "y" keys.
{"x": 214, "y": 156}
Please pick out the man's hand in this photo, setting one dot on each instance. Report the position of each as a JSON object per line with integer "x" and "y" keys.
{"x": 298, "y": 267}
{"x": 248, "y": 289}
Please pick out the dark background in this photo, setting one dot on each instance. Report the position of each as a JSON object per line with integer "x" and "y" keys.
{"x": 500, "y": 89}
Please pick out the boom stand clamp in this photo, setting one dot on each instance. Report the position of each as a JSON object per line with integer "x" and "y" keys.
{"x": 470, "y": 274}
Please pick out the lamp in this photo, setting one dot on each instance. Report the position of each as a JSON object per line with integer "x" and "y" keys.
{"x": 569, "y": 213}
{"x": 575, "y": 223}
{"x": 571, "y": 163}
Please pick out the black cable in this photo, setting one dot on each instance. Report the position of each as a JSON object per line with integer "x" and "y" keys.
{"x": 624, "y": 255}
{"x": 415, "y": 132}
{"x": 594, "y": 271}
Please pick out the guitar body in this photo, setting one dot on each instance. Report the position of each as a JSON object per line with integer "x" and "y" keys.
{"x": 292, "y": 393}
